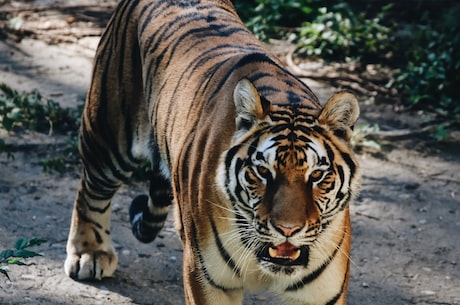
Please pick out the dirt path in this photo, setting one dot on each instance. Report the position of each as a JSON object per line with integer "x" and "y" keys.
{"x": 406, "y": 222}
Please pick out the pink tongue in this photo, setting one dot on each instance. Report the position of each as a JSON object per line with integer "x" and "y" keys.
{"x": 286, "y": 250}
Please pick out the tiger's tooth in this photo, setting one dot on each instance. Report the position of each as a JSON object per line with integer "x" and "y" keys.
{"x": 295, "y": 255}
{"x": 272, "y": 252}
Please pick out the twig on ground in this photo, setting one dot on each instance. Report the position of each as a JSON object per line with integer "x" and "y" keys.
{"x": 342, "y": 78}
{"x": 35, "y": 9}
{"x": 399, "y": 133}
{"x": 368, "y": 216}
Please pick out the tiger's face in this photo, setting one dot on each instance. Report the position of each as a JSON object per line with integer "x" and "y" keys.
{"x": 287, "y": 177}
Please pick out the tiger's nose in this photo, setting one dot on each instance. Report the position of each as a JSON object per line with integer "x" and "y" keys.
{"x": 288, "y": 230}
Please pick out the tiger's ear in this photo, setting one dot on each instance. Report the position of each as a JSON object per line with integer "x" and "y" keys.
{"x": 340, "y": 113}
{"x": 250, "y": 106}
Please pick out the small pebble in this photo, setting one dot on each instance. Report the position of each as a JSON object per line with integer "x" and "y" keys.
{"x": 102, "y": 287}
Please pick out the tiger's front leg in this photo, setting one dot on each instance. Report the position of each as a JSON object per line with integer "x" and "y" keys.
{"x": 90, "y": 254}
{"x": 199, "y": 287}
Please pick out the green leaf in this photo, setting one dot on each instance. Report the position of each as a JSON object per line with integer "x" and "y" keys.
{"x": 6, "y": 253}
{"x": 7, "y": 123}
{"x": 15, "y": 261}
{"x": 36, "y": 241}
{"x": 7, "y": 90}
{"x": 21, "y": 243}
{"x": 25, "y": 253}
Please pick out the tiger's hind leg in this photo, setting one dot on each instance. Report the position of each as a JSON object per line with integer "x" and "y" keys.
{"x": 147, "y": 214}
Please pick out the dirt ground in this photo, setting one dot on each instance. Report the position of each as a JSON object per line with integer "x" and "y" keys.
{"x": 406, "y": 221}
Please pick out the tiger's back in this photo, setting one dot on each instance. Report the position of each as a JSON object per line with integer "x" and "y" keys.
{"x": 186, "y": 86}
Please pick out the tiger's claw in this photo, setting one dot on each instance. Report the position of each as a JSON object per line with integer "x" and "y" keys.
{"x": 90, "y": 265}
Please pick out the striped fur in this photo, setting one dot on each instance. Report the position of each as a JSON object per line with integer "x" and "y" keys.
{"x": 259, "y": 173}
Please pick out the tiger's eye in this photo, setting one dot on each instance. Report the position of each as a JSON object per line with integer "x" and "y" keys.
{"x": 263, "y": 171}
{"x": 316, "y": 175}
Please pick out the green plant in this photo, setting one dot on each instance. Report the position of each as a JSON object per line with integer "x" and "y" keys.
{"x": 340, "y": 33}
{"x": 68, "y": 157}
{"x": 17, "y": 255}
{"x": 30, "y": 111}
{"x": 418, "y": 39}
{"x": 430, "y": 79}
{"x": 272, "y": 18}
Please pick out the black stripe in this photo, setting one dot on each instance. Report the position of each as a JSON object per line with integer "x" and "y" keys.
{"x": 245, "y": 60}
{"x": 339, "y": 294}
{"x": 223, "y": 252}
{"x": 347, "y": 158}
{"x": 246, "y": 209}
{"x": 82, "y": 216}
{"x": 135, "y": 84}
{"x": 97, "y": 157}
{"x": 149, "y": 14}
{"x": 202, "y": 59}
{"x": 228, "y": 162}
{"x": 204, "y": 271}
{"x": 93, "y": 274}
{"x": 151, "y": 218}
{"x": 182, "y": 21}
{"x": 316, "y": 273}
{"x": 341, "y": 196}
{"x": 117, "y": 43}
{"x": 330, "y": 152}
{"x": 92, "y": 162}
{"x": 100, "y": 194}
{"x": 98, "y": 210}
{"x": 98, "y": 237}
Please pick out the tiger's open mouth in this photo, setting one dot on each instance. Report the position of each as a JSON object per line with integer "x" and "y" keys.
{"x": 284, "y": 254}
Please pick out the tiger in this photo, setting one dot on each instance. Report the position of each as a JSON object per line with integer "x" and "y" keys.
{"x": 259, "y": 173}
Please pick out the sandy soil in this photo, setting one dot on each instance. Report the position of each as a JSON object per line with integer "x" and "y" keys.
{"x": 406, "y": 222}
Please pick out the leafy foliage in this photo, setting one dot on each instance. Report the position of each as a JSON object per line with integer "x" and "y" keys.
{"x": 30, "y": 111}
{"x": 332, "y": 31}
{"x": 68, "y": 156}
{"x": 419, "y": 38}
{"x": 17, "y": 255}
{"x": 267, "y": 18}
{"x": 431, "y": 77}
{"x": 341, "y": 34}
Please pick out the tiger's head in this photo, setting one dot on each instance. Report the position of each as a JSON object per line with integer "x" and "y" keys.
{"x": 288, "y": 174}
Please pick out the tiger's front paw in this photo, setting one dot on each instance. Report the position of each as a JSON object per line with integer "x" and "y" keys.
{"x": 93, "y": 265}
